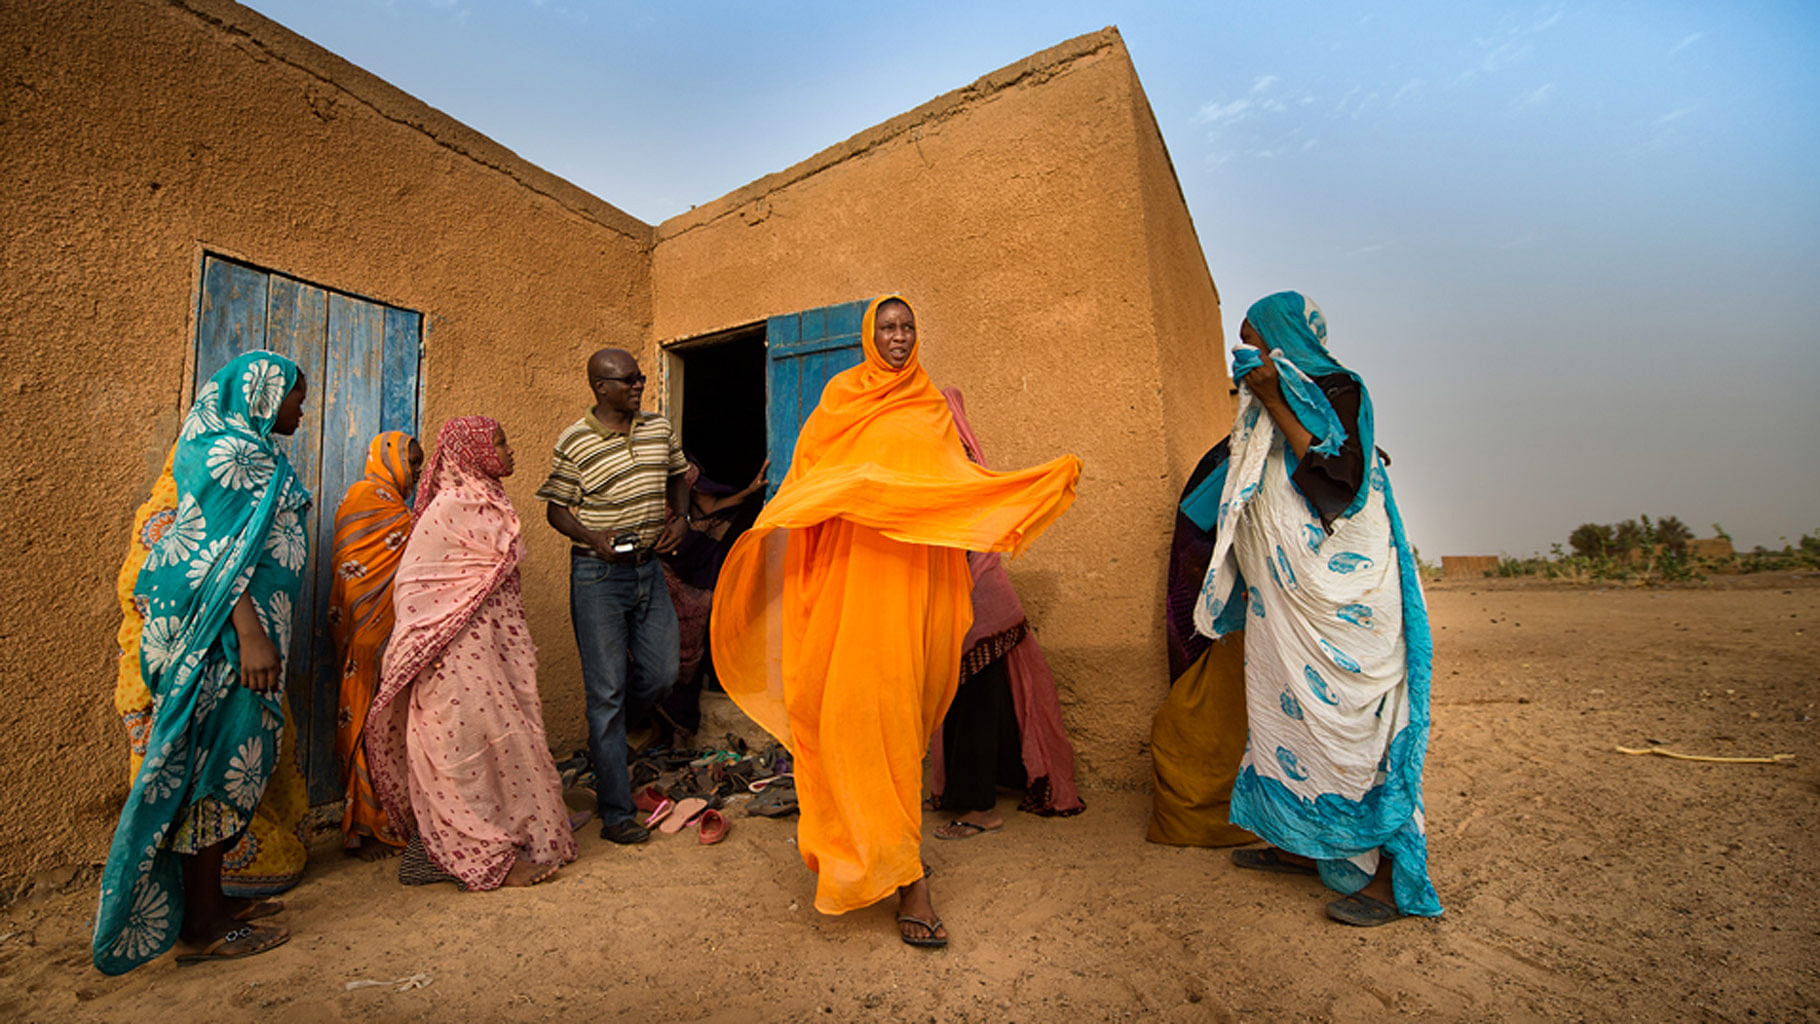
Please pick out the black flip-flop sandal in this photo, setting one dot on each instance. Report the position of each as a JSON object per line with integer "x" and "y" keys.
{"x": 929, "y": 941}
{"x": 977, "y": 830}
{"x": 1362, "y": 911}
{"x": 1269, "y": 858}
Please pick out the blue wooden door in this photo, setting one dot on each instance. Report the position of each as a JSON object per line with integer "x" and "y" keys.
{"x": 803, "y": 352}
{"x": 361, "y": 360}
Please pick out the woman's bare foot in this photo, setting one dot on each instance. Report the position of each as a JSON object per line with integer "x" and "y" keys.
{"x": 1380, "y": 888}
{"x": 253, "y": 909}
{"x": 916, "y": 920}
{"x": 526, "y": 872}
{"x": 973, "y": 823}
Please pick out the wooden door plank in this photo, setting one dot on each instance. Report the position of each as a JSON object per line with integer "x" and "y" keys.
{"x": 353, "y": 357}
{"x": 297, "y": 326}
{"x": 398, "y": 378}
{"x": 231, "y": 316}
{"x": 803, "y": 352}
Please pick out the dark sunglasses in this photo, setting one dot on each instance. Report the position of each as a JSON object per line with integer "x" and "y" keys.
{"x": 630, "y": 381}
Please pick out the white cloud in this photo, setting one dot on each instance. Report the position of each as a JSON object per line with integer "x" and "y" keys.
{"x": 1502, "y": 56}
{"x": 1254, "y": 101}
{"x": 1532, "y": 98}
{"x": 1675, "y": 115}
{"x": 1684, "y": 44}
{"x": 1411, "y": 89}
{"x": 1222, "y": 113}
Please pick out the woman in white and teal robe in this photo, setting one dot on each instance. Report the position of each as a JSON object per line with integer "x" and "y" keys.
{"x": 216, "y": 594}
{"x": 1310, "y": 560}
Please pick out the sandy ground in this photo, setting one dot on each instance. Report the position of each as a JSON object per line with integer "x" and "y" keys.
{"x": 1579, "y": 883}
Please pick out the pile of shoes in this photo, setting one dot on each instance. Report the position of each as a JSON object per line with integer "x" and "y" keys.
{"x": 675, "y": 789}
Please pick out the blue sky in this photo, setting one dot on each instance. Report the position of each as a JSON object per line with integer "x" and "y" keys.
{"x": 1573, "y": 248}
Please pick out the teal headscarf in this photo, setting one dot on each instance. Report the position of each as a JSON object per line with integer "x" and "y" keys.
{"x": 237, "y": 528}
{"x": 1296, "y": 332}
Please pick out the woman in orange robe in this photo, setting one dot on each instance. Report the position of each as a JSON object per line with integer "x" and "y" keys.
{"x": 839, "y": 616}
{"x": 371, "y": 526}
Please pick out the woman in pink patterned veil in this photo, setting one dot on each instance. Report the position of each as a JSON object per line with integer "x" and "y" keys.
{"x": 455, "y": 738}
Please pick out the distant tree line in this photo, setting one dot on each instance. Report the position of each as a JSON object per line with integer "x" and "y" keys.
{"x": 1654, "y": 550}
{"x": 1619, "y": 540}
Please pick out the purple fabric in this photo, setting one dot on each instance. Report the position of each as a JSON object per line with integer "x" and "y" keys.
{"x": 1190, "y": 552}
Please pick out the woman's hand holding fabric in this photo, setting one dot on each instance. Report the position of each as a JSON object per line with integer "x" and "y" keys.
{"x": 1263, "y": 382}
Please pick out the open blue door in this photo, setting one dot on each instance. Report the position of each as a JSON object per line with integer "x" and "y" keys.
{"x": 803, "y": 352}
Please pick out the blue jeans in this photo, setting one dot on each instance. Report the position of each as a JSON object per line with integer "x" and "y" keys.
{"x": 618, "y": 609}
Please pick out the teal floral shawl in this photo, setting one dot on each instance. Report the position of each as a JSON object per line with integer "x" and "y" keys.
{"x": 237, "y": 528}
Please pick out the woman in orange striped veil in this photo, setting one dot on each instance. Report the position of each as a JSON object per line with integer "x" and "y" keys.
{"x": 371, "y": 527}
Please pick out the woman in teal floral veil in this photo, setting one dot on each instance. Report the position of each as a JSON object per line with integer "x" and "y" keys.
{"x": 216, "y": 595}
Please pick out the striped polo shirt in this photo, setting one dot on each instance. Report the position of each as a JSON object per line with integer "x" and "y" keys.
{"x": 615, "y": 482}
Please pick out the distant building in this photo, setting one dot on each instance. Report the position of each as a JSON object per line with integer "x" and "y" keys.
{"x": 1465, "y": 566}
{"x": 1717, "y": 549}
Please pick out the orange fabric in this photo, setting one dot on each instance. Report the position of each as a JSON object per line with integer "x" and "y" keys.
{"x": 839, "y": 616}
{"x": 371, "y": 526}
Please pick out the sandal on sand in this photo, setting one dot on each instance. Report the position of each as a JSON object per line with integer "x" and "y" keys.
{"x": 930, "y": 940}
{"x": 1269, "y": 858}
{"x": 714, "y": 827}
{"x": 1362, "y": 911}
{"x": 258, "y": 909}
{"x": 247, "y": 940}
{"x": 777, "y": 801}
{"x": 686, "y": 811}
{"x": 787, "y": 780}
{"x": 971, "y": 830}
{"x": 660, "y": 812}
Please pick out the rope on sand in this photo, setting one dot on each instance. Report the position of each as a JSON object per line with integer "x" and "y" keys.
{"x": 1665, "y": 752}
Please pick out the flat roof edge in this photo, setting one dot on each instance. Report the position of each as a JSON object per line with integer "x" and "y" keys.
{"x": 1055, "y": 58}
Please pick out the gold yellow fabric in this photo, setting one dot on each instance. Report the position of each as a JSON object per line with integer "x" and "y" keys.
{"x": 1196, "y": 744}
{"x": 269, "y": 857}
{"x": 839, "y": 617}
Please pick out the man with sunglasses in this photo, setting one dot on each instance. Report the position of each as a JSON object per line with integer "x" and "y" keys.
{"x": 618, "y": 490}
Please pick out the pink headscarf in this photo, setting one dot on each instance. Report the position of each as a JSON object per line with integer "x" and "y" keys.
{"x": 464, "y": 454}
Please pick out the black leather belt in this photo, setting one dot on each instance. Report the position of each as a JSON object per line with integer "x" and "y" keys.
{"x": 639, "y": 557}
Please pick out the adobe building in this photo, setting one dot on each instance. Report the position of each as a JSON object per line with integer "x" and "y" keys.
{"x": 187, "y": 179}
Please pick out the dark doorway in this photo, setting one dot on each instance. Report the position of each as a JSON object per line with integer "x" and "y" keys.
{"x": 722, "y": 400}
